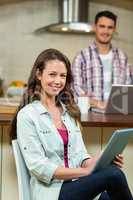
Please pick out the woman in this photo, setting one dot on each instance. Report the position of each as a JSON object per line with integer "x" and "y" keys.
{"x": 49, "y": 136}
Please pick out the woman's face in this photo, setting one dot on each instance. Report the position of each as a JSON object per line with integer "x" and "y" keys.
{"x": 53, "y": 78}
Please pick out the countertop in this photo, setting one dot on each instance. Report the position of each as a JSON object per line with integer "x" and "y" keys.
{"x": 91, "y": 120}
{"x": 108, "y": 120}
{"x": 8, "y": 107}
{"x": 6, "y": 114}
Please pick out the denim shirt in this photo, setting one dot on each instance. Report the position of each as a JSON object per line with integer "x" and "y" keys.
{"x": 43, "y": 149}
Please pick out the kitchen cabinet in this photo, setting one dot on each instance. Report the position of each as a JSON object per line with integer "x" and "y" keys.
{"x": 8, "y": 170}
{"x": 92, "y": 139}
{"x": 0, "y": 158}
{"x": 8, "y": 177}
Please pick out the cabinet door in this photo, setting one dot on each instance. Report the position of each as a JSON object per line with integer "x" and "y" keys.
{"x": 9, "y": 178}
{"x": 128, "y": 163}
{"x": 0, "y": 159}
{"x": 92, "y": 139}
{"x": 128, "y": 152}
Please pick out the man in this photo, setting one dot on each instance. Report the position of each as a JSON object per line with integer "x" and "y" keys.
{"x": 100, "y": 65}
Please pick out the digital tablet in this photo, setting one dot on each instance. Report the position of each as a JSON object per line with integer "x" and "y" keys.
{"x": 115, "y": 146}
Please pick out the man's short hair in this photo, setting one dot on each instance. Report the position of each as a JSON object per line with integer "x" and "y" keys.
{"x": 107, "y": 14}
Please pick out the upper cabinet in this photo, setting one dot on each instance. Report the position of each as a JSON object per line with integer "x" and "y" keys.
{"x": 10, "y": 1}
{"x": 126, "y": 4}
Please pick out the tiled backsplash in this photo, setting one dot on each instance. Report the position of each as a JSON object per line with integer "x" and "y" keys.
{"x": 19, "y": 46}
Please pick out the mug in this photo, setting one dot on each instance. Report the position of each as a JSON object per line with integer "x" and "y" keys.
{"x": 83, "y": 104}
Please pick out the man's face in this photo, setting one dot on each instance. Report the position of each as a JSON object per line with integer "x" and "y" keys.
{"x": 104, "y": 29}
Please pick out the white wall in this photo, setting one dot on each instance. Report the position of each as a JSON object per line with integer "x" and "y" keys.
{"x": 19, "y": 46}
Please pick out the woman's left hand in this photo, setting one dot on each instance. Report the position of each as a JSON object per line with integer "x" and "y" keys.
{"x": 118, "y": 161}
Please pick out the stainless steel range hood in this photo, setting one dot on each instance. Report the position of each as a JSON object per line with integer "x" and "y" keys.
{"x": 73, "y": 17}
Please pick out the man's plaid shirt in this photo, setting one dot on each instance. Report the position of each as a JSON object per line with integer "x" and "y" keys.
{"x": 87, "y": 70}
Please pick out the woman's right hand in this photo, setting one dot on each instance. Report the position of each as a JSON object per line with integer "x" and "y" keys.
{"x": 73, "y": 173}
{"x": 89, "y": 164}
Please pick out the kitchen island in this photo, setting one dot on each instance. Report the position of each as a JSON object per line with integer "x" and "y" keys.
{"x": 97, "y": 129}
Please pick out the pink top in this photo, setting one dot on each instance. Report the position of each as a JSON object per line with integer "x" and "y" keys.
{"x": 64, "y": 135}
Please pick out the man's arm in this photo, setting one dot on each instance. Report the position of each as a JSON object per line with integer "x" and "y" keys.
{"x": 78, "y": 76}
{"x": 129, "y": 74}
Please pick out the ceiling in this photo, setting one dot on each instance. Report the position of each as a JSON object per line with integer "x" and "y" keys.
{"x": 126, "y": 4}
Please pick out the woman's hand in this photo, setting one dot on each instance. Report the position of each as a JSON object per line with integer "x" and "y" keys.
{"x": 90, "y": 163}
{"x": 118, "y": 161}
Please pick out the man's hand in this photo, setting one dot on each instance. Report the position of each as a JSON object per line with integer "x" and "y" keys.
{"x": 97, "y": 103}
{"x": 93, "y": 101}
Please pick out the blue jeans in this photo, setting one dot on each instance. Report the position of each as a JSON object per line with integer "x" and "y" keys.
{"x": 112, "y": 180}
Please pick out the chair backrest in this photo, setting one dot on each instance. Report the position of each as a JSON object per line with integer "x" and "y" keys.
{"x": 22, "y": 173}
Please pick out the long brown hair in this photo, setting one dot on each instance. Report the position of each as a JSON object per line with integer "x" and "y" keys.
{"x": 33, "y": 89}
